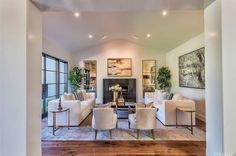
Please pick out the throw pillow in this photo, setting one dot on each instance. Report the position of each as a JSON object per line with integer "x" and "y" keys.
{"x": 177, "y": 97}
{"x": 75, "y": 95}
{"x": 161, "y": 96}
{"x": 85, "y": 95}
{"x": 68, "y": 96}
{"x": 80, "y": 95}
{"x": 149, "y": 105}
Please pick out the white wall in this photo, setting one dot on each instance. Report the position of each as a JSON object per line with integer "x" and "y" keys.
{"x": 214, "y": 99}
{"x": 229, "y": 74}
{"x": 172, "y": 58}
{"x": 13, "y": 89}
{"x": 34, "y": 54}
{"x": 58, "y": 51}
{"x": 1, "y": 77}
{"x": 120, "y": 49}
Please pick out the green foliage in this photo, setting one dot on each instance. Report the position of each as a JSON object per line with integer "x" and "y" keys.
{"x": 163, "y": 78}
{"x": 76, "y": 77}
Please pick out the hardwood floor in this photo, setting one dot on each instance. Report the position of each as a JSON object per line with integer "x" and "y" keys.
{"x": 122, "y": 148}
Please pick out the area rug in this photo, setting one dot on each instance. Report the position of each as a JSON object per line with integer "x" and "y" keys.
{"x": 86, "y": 132}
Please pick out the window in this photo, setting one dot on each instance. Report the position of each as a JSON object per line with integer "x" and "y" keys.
{"x": 54, "y": 80}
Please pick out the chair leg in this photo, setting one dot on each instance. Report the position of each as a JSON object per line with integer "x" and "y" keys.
{"x": 137, "y": 133}
{"x": 129, "y": 124}
{"x": 153, "y": 134}
{"x": 110, "y": 133}
{"x": 96, "y": 131}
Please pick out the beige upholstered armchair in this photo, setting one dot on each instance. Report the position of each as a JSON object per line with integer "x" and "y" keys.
{"x": 143, "y": 119}
{"x": 104, "y": 119}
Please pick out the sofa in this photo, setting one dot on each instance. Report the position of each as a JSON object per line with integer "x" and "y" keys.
{"x": 167, "y": 107}
{"x": 79, "y": 109}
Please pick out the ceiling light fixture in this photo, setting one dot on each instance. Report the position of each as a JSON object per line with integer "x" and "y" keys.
{"x": 135, "y": 37}
{"x": 148, "y": 35}
{"x": 90, "y": 36}
{"x": 104, "y": 37}
{"x": 164, "y": 13}
{"x": 76, "y": 14}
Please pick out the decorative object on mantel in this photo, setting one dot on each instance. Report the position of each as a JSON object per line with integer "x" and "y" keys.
{"x": 163, "y": 78}
{"x": 192, "y": 69}
{"x": 59, "y": 105}
{"x": 115, "y": 89}
{"x": 119, "y": 67}
{"x": 76, "y": 77}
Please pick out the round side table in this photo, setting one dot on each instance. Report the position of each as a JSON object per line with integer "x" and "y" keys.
{"x": 54, "y": 112}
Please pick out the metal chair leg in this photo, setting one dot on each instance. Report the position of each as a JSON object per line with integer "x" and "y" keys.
{"x": 96, "y": 131}
{"x": 137, "y": 133}
{"x": 129, "y": 124}
{"x": 110, "y": 133}
{"x": 153, "y": 134}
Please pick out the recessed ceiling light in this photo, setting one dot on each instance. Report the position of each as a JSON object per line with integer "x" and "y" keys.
{"x": 212, "y": 34}
{"x": 135, "y": 37}
{"x": 104, "y": 37}
{"x": 148, "y": 35}
{"x": 164, "y": 13}
{"x": 90, "y": 36}
{"x": 76, "y": 14}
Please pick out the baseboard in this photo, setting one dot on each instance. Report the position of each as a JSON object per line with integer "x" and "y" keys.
{"x": 200, "y": 117}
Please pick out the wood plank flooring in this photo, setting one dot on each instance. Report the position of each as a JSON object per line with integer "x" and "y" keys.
{"x": 122, "y": 148}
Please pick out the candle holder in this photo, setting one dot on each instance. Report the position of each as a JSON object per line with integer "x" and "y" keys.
{"x": 59, "y": 105}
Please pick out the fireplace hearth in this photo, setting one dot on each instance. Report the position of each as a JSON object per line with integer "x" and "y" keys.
{"x": 128, "y": 89}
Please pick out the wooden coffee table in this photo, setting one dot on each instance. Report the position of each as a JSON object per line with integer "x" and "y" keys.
{"x": 123, "y": 111}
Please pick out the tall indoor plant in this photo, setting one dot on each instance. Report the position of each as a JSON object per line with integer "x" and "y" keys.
{"x": 163, "y": 78}
{"x": 76, "y": 77}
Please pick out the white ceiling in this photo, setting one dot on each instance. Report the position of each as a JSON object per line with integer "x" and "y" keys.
{"x": 121, "y": 19}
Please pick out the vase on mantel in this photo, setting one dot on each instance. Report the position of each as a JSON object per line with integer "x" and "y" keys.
{"x": 115, "y": 96}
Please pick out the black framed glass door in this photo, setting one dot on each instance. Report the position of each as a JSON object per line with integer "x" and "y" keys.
{"x": 54, "y": 80}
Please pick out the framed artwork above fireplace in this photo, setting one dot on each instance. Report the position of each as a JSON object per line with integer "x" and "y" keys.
{"x": 119, "y": 67}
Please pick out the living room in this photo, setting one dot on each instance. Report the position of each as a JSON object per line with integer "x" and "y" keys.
{"x": 126, "y": 46}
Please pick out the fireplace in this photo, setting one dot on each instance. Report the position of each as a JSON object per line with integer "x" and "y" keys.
{"x": 128, "y": 89}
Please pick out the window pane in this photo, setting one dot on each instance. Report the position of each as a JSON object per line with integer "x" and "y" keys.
{"x": 63, "y": 67}
{"x": 62, "y": 88}
{"x": 51, "y": 64}
{"x": 52, "y": 90}
{"x": 63, "y": 78}
{"x": 51, "y": 77}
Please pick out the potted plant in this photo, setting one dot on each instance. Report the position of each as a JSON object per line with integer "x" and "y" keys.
{"x": 163, "y": 78}
{"x": 75, "y": 78}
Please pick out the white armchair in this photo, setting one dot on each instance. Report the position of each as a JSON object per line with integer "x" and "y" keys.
{"x": 143, "y": 119}
{"x": 104, "y": 119}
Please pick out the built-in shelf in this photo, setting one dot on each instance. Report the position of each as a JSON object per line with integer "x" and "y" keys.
{"x": 149, "y": 75}
{"x": 91, "y": 77}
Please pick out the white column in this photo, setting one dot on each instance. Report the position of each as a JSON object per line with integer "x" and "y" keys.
{"x": 20, "y": 81}
{"x": 214, "y": 93}
{"x": 229, "y": 74}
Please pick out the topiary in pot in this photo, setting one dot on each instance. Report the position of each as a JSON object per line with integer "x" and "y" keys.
{"x": 75, "y": 78}
{"x": 163, "y": 78}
